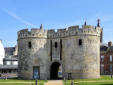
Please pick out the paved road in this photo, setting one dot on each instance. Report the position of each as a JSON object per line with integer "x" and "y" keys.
{"x": 54, "y": 82}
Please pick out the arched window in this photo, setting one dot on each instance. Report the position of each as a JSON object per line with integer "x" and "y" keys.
{"x": 56, "y": 45}
{"x": 29, "y": 44}
{"x": 80, "y": 42}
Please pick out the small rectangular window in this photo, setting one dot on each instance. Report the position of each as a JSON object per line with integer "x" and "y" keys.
{"x": 56, "y": 44}
{"x": 80, "y": 42}
{"x": 29, "y": 44}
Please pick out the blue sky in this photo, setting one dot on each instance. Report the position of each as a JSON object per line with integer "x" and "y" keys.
{"x": 19, "y": 14}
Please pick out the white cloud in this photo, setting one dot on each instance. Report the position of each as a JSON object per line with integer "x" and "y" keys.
{"x": 19, "y": 18}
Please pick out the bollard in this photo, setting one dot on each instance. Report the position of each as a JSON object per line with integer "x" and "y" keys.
{"x": 72, "y": 83}
{"x": 64, "y": 80}
{"x": 36, "y": 82}
{"x": 111, "y": 76}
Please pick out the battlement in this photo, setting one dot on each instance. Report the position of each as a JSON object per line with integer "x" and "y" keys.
{"x": 35, "y": 32}
{"x": 74, "y": 30}
{"x": 65, "y": 32}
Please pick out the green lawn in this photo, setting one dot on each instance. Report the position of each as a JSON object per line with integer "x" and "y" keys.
{"x": 99, "y": 81}
{"x": 40, "y": 82}
{"x": 94, "y": 83}
{"x": 103, "y": 77}
{"x": 20, "y": 84}
{"x": 17, "y": 80}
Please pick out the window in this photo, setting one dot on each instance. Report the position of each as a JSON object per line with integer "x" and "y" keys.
{"x": 102, "y": 58}
{"x": 29, "y": 44}
{"x": 110, "y": 68}
{"x": 56, "y": 45}
{"x": 80, "y": 42}
{"x": 110, "y": 59}
{"x": 8, "y": 63}
{"x": 102, "y": 68}
{"x": 15, "y": 63}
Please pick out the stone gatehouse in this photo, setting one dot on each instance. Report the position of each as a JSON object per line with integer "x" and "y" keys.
{"x": 73, "y": 50}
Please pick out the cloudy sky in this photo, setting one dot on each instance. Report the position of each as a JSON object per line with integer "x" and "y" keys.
{"x": 19, "y": 14}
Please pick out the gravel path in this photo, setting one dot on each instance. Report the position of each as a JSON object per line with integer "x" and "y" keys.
{"x": 54, "y": 82}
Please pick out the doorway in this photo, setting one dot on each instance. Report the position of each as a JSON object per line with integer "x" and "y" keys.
{"x": 56, "y": 71}
{"x": 36, "y": 74}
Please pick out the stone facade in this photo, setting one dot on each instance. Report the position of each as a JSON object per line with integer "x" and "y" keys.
{"x": 76, "y": 49}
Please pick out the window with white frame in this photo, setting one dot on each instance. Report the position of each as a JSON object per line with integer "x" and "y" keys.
{"x": 15, "y": 63}
{"x": 102, "y": 68}
{"x": 8, "y": 63}
{"x": 110, "y": 59}
{"x": 102, "y": 58}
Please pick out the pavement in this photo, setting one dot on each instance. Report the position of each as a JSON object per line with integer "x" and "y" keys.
{"x": 54, "y": 82}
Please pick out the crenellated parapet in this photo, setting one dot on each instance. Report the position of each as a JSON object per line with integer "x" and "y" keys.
{"x": 35, "y": 32}
{"x": 74, "y": 30}
{"x": 60, "y": 33}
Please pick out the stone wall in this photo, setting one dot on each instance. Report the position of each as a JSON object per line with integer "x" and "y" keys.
{"x": 81, "y": 61}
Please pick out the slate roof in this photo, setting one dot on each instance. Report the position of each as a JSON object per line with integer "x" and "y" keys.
{"x": 105, "y": 48}
{"x": 9, "y": 50}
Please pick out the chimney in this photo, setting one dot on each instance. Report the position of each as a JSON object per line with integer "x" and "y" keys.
{"x": 109, "y": 44}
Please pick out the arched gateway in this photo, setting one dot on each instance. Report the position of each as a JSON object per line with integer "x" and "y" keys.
{"x": 55, "y": 70}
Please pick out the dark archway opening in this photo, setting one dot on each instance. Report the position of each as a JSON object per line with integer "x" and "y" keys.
{"x": 54, "y": 71}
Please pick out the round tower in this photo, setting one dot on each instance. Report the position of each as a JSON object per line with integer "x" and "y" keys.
{"x": 32, "y": 53}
